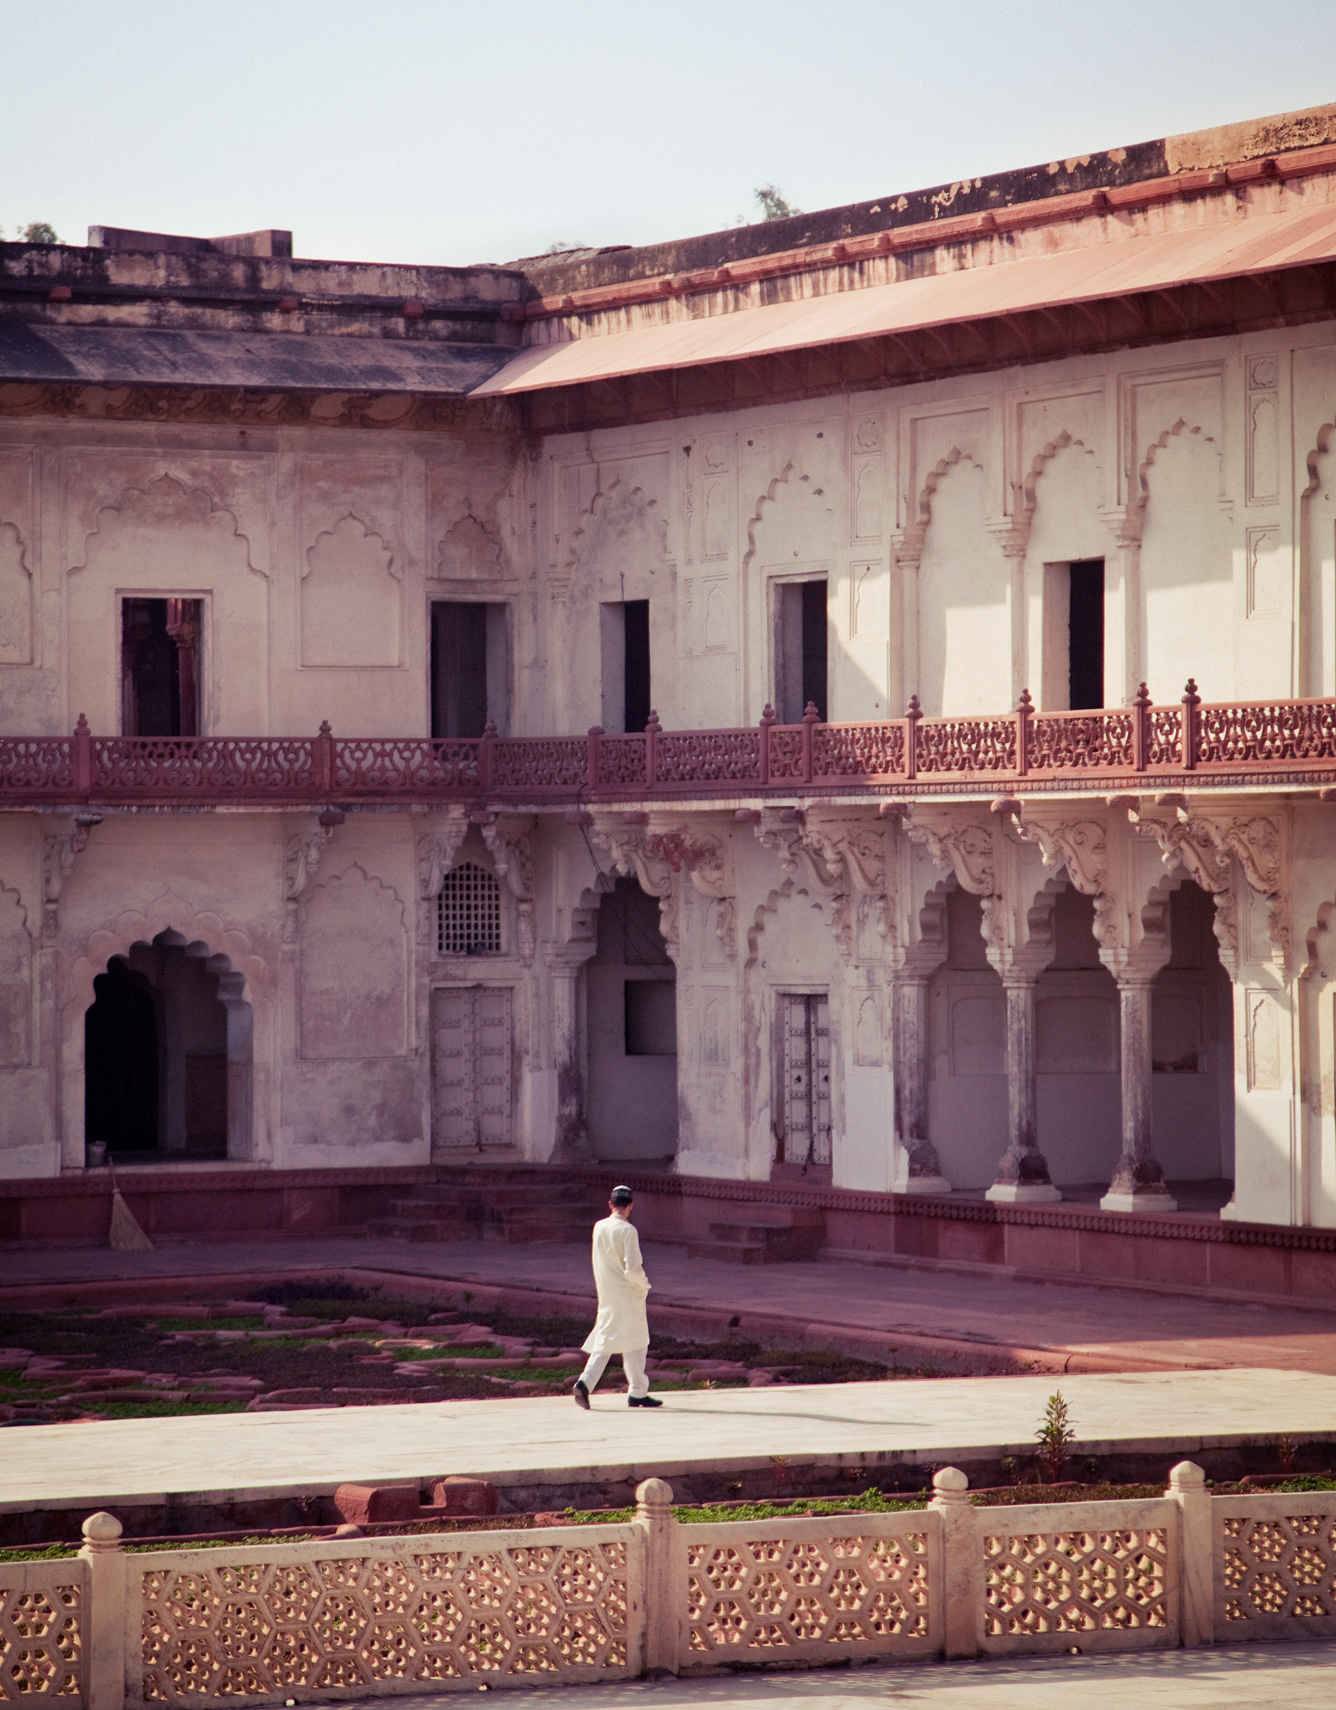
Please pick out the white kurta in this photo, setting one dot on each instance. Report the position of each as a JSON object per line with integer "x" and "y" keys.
{"x": 622, "y": 1325}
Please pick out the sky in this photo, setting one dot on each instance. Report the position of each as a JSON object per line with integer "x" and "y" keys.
{"x": 440, "y": 132}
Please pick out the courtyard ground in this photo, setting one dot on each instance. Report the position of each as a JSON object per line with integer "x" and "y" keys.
{"x": 1056, "y": 1326}
{"x": 1287, "y": 1677}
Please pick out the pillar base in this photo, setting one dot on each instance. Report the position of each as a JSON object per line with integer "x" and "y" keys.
{"x": 1139, "y": 1202}
{"x": 1023, "y": 1193}
{"x": 922, "y": 1184}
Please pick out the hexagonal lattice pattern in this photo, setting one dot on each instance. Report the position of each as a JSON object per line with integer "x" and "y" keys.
{"x": 1283, "y": 1566}
{"x": 1075, "y": 1582}
{"x": 41, "y": 1638}
{"x": 768, "y": 1594}
{"x": 256, "y": 1629}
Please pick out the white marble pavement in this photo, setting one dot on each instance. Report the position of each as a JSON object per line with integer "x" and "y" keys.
{"x": 867, "y": 1424}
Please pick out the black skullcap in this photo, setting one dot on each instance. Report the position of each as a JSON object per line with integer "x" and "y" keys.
{"x": 622, "y": 1196}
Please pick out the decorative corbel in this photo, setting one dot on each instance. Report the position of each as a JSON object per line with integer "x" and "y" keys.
{"x": 301, "y": 861}
{"x": 626, "y": 847}
{"x": 61, "y": 848}
{"x": 1082, "y": 848}
{"x": 510, "y": 843}
{"x": 437, "y": 852}
{"x": 705, "y": 857}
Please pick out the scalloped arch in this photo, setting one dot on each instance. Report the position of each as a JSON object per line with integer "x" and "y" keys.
{"x": 165, "y": 497}
{"x": 167, "y": 913}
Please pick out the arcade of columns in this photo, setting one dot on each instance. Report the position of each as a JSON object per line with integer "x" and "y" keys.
{"x": 893, "y": 866}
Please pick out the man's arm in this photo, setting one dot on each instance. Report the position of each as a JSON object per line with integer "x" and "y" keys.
{"x": 635, "y": 1269}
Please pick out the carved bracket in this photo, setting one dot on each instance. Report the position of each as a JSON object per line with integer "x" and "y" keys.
{"x": 60, "y": 850}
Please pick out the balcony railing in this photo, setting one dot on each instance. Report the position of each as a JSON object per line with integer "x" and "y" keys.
{"x": 1285, "y": 743}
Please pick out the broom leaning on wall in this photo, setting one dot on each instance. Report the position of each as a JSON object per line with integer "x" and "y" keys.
{"x": 125, "y": 1235}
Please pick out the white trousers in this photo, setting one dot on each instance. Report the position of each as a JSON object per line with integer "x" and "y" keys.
{"x": 633, "y": 1363}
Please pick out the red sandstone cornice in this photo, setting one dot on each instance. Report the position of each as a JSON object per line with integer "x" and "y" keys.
{"x": 929, "y": 234}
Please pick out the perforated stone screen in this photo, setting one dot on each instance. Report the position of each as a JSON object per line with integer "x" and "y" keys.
{"x": 487, "y": 1612}
{"x": 468, "y": 921}
{"x": 41, "y": 1633}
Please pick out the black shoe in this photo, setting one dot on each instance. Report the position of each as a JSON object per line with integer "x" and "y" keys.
{"x": 643, "y": 1401}
{"x": 580, "y": 1395}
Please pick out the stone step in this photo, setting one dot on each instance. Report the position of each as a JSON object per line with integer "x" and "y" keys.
{"x": 802, "y": 1242}
{"x": 731, "y": 1252}
{"x": 405, "y": 1229}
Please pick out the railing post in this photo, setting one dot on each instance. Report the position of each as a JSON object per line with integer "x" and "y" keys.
{"x": 1024, "y": 712}
{"x": 663, "y": 1596}
{"x": 485, "y": 755}
{"x": 913, "y": 713}
{"x": 811, "y": 717}
{"x": 1196, "y": 1568}
{"x": 767, "y": 719}
{"x": 104, "y": 1631}
{"x": 652, "y": 729}
{"x": 324, "y": 759}
{"x": 81, "y": 757}
{"x": 591, "y": 763}
{"x": 1191, "y": 726}
{"x": 1141, "y": 729}
{"x": 960, "y": 1595}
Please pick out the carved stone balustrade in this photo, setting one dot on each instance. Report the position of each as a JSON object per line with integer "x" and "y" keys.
{"x": 1283, "y": 744}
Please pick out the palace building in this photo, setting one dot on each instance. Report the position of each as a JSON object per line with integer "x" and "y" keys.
{"x": 836, "y": 718}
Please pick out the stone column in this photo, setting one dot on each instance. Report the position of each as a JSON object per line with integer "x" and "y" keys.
{"x": 1022, "y": 1175}
{"x": 917, "y": 1168}
{"x": 564, "y": 961}
{"x": 1138, "y": 1180}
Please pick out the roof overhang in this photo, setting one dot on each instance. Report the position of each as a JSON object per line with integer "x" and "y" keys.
{"x": 267, "y": 362}
{"x": 1116, "y": 269}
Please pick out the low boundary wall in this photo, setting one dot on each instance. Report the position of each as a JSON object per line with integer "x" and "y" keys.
{"x": 353, "y": 1618}
{"x": 1180, "y": 1253}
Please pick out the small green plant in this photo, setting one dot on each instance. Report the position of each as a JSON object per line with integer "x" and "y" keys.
{"x": 1285, "y": 1449}
{"x": 1007, "y": 1467}
{"x": 1055, "y": 1437}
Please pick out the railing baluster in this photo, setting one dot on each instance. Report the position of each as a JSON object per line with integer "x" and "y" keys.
{"x": 1024, "y": 711}
{"x": 912, "y": 717}
{"x": 1191, "y": 733}
{"x": 767, "y": 719}
{"x": 1141, "y": 729}
{"x": 652, "y": 729}
{"x": 323, "y": 760}
{"x": 81, "y": 757}
{"x": 811, "y": 718}
{"x": 591, "y": 779}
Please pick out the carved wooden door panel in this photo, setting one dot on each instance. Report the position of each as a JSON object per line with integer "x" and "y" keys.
{"x": 472, "y": 1066}
{"x": 804, "y": 1028}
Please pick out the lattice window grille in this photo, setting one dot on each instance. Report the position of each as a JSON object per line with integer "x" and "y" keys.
{"x": 468, "y": 913}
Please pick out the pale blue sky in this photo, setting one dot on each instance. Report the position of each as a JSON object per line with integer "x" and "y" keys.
{"x": 437, "y": 131}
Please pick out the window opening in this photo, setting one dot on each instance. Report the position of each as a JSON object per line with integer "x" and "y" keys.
{"x": 624, "y": 649}
{"x": 636, "y": 702}
{"x": 1085, "y": 635}
{"x": 803, "y": 669}
{"x": 468, "y": 913}
{"x": 802, "y": 1135}
{"x": 651, "y": 1017}
{"x": 160, "y": 666}
{"x": 458, "y": 668}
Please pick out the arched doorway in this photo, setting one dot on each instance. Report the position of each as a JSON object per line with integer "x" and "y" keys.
{"x": 631, "y": 1013}
{"x": 1192, "y": 1057}
{"x": 167, "y": 1048}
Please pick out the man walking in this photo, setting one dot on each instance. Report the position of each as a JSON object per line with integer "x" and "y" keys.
{"x": 622, "y": 1326}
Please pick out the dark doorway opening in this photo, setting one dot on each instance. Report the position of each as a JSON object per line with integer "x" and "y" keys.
{"x": 637, "y": 701}
{"x": 121, "y": 1062}
{"x": 803, "y": 650}
{"x": 160, "y": 642}
{"x": 1085, "y": 635}
{"x": 158, "y": 1049}
{"x": 624, "y": 649}
{"x": 469, "y": 667}
{"x": 631, "y": 1038}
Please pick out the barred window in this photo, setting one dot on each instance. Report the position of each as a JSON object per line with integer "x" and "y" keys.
{"x": 468, "y": 919}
